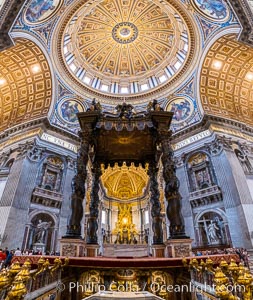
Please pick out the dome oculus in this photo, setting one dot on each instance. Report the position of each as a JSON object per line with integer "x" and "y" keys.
{"x": 124, "y": 32}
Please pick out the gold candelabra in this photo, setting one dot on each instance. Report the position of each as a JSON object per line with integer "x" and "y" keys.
{"x": 13, "y": 281}
{"x": 230, "y": 279}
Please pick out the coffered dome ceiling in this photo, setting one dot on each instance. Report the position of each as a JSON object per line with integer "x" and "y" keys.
{"x": 124, "y": 183}
{"x": 125, "y": 48}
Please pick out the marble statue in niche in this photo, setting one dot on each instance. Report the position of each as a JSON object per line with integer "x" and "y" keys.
{"x": 212, "y": 229}
{"x": 212, "y": 232}
{"x": 40, "y": 232}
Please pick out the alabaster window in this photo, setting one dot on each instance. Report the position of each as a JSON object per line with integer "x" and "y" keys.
{"x": 146, "y": 217}
{"x": 103, "y": 217}
{"x": 200, "y": 172}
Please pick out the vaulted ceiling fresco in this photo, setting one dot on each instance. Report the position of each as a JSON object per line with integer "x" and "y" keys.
{"x": 178, "y": 52}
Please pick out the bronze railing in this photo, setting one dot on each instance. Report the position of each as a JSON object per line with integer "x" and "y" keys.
{"x": 20, "y": 280}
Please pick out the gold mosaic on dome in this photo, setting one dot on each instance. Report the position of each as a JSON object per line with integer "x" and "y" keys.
{"x": 124, "y": 183}
{"x": 125, "y": 47}
{"x": 25, "y": 84}
{"x": 226, "y": 80}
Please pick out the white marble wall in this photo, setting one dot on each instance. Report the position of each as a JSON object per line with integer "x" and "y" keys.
{"x": 237, "y": 194}
{"x": 2, "y": 186}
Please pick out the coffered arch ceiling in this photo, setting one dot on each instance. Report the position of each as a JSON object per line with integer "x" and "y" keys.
{"x": 25, "y": 84}
{"x": 226, "y": 80}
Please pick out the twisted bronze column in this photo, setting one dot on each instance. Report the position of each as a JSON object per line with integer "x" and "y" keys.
{"x": 155, "y": 204}
{"x": 92, "y": 224}
{"x": 172, "y": 195}
{"x": 78, "y": 186}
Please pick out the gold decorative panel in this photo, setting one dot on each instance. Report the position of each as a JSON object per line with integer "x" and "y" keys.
{"x": 124, "y": 182}
{"x": 25, "y": 84}
{"x": 226, "y": 80}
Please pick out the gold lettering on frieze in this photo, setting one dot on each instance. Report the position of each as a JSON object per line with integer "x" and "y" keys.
{"x": 192, "y": 139}
{"x": 57, "y": 141}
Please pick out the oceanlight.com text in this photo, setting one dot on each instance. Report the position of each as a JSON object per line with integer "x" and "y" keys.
{"x": 153, "y": 287}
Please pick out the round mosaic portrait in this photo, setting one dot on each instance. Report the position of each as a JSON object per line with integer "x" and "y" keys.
{"x": 40, "y": 10}
{"x": 67, "y": 110}
{"x": 217, "y": 10}
{"x": 182, "y": 109}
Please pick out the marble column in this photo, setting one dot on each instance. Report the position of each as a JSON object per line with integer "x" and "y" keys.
{"x": 172, "y": 195}
{"x": 92, "y": 224}
{"x": 78, "y": 187}
{"x": 155, "y": 205}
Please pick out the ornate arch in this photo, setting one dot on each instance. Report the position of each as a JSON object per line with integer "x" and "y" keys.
{"x": 40, "y": 234}
{"x": 200, "y": 170}
{"x": 211, "y": 228}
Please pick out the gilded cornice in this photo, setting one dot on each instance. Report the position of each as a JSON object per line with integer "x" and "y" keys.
{"x": 8, "y": 14}
{"x": 245, "y": 16}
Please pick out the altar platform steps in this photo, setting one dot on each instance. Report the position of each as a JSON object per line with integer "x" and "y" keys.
{"x": 125, "y": 250}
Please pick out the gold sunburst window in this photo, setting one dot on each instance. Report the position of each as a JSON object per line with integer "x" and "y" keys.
{"x": 125, "y": 46}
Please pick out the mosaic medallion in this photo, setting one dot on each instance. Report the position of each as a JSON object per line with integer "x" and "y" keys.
{"x": 182, "y": 109}
{"x": 216, "y": 10}
{"x": 40, "y": 10}
{"x": 67, "y": 110}
{"x": 124, "y": 32}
